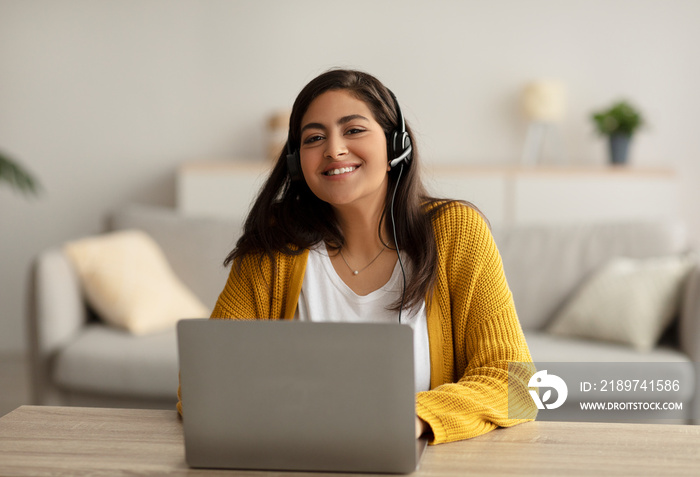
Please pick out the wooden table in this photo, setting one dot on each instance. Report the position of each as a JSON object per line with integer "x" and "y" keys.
{"x": 36, "y": 440}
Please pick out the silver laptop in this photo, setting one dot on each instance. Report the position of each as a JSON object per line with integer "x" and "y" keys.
{"x": 271, "y": 395}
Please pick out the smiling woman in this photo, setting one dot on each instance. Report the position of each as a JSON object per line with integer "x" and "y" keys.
{"x": 327, "y": 238}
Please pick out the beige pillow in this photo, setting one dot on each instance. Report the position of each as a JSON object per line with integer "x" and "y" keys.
{"x": 129, "y": 283}
{"x": 629, "y": 301}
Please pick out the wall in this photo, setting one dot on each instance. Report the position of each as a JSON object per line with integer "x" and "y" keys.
{"x": 103, "y": 99}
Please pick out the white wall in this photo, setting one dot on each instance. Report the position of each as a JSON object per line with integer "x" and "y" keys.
{"x": 103, "y": 99}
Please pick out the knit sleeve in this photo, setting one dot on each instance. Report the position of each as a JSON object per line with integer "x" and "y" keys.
{"x": 484, "y": 344}
{"x": 246, "y": 294}
{"x": 261, "y": 287}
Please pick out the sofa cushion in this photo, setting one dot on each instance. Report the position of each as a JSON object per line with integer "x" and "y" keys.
{"x": 129, "y": 283}
{"x": 545, "y": 347}
{"x": 194, "y": 246}
{"x": 110, "y": 361}
{"x": 629, "y": 301}
{"x": 545, "y": 263}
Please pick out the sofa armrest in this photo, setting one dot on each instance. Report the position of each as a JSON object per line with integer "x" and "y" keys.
{"x": 57, "y": 313}
{"x": 690, "y": 316}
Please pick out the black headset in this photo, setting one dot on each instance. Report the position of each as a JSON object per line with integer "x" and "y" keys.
{"x": 399, "y": 148}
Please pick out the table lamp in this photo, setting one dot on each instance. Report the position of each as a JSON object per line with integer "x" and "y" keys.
{"x": 543, "y": 102}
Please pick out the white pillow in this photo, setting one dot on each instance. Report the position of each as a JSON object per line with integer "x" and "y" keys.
{"x": 129, "y": 283}
{"x": 629, "y": 301}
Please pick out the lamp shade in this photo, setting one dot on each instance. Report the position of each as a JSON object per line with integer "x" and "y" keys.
{"x": 544, "y": 100}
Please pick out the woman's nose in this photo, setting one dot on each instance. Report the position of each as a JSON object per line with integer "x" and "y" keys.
{"x": 335, "y": 146}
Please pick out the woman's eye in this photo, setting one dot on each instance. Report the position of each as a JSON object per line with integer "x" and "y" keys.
{"x": 312, "y": 139}
{"x": 355, "y": 131}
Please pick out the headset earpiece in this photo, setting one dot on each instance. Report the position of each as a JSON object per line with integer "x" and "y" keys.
{"x": 399, "y": 146}
{"x": 294, "y": 162}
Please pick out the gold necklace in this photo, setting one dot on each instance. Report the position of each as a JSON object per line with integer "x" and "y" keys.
{"x": 357, "y": 272}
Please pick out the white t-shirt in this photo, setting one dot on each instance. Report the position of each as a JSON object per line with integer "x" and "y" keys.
{"x": 325, "y": 297}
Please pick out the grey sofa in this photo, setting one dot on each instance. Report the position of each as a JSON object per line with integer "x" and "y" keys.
{"x": 77, "y": 360}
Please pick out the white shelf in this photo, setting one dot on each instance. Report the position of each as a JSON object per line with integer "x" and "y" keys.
{"x": 506, "y": 195}
{"x": 219, "y": 188}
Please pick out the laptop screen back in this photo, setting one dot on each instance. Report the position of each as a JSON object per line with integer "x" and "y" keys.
{"x": 298, "y": 396}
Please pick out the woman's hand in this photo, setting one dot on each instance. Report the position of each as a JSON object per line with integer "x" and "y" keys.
{"x": 421, "y": 427}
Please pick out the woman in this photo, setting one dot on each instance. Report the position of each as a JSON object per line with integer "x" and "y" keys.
{"x": 344, "y": 230}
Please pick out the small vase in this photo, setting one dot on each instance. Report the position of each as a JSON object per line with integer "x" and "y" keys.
{"x": 619, "y": 148}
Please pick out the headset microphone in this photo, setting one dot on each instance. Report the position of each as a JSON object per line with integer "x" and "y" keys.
{"x": 404, "y": 156}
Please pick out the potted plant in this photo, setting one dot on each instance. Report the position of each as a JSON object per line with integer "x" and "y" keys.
{"x": 618, "y": 123}
{"x": 16, "y": 176}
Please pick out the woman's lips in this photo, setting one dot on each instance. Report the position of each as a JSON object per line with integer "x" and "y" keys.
{"x": 340, "y": 170}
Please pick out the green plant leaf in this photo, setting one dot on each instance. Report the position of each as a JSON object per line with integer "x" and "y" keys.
{"x": 621, "y": 118}
{"x": 17, "y": 177}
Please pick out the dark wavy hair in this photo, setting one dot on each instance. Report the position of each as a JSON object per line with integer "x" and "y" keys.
{"x": 287, "y": 217}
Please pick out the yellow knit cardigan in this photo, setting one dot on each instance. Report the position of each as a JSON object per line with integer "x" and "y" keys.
{"x": 473, "y": 329}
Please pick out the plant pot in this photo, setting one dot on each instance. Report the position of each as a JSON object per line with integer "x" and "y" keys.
{"x": 619, "y": 148}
